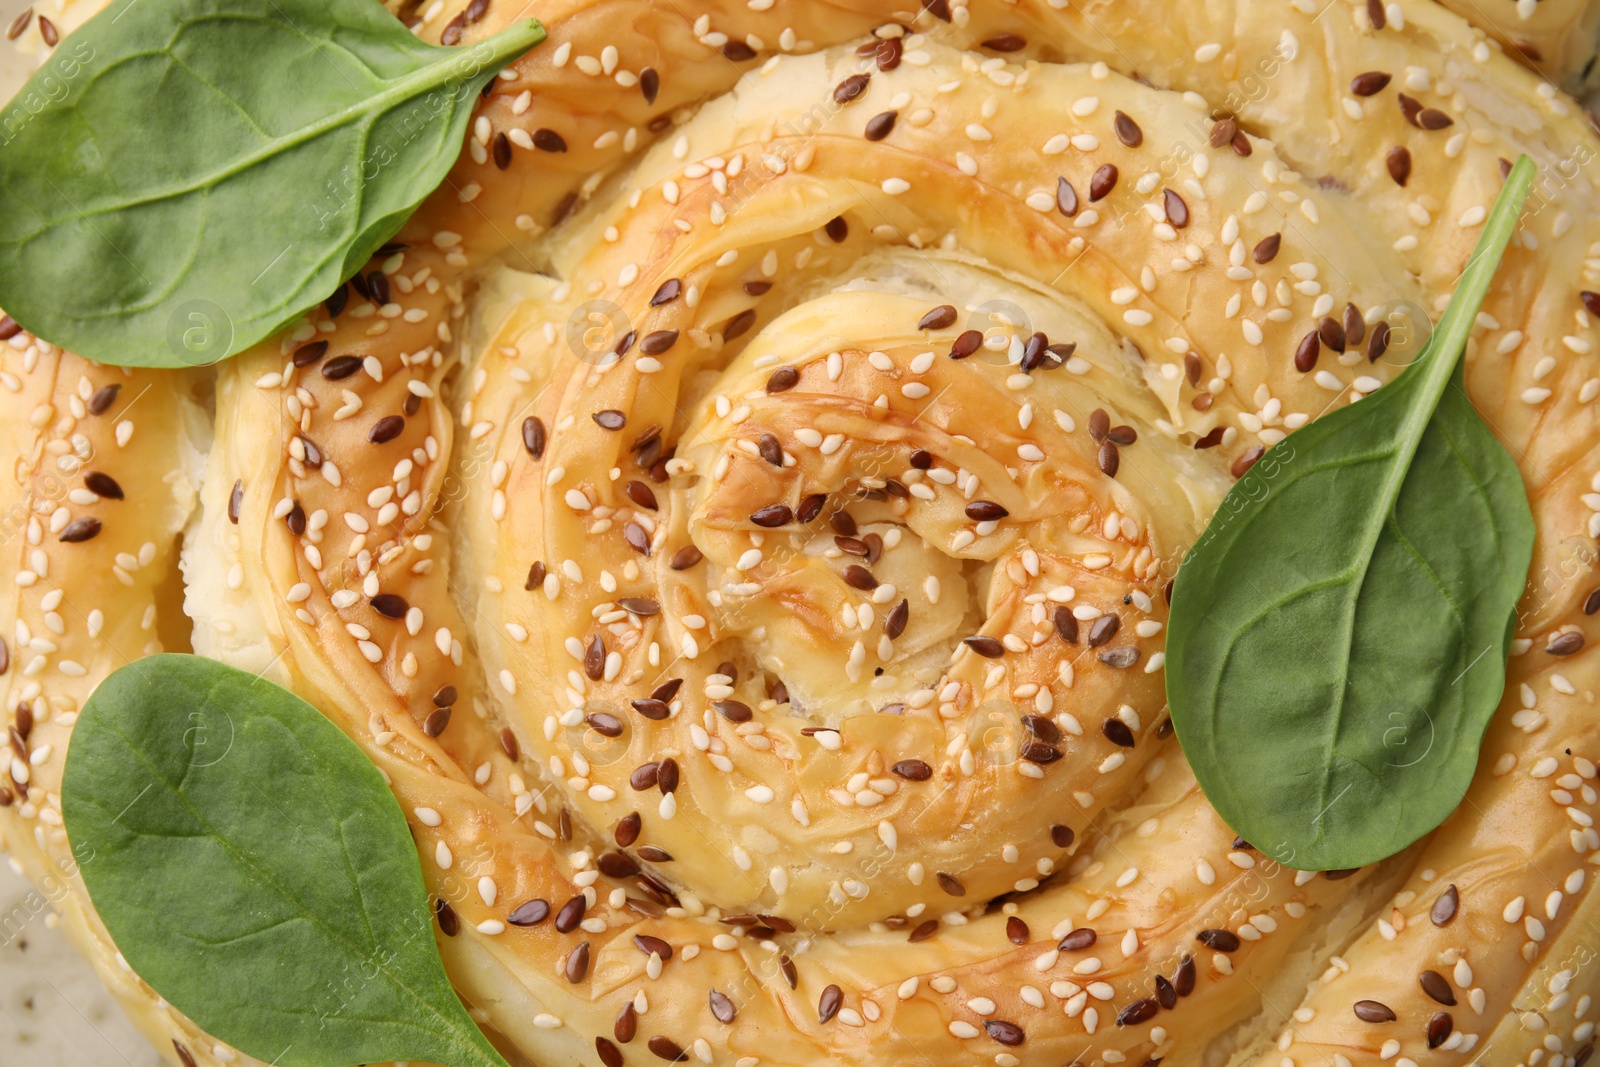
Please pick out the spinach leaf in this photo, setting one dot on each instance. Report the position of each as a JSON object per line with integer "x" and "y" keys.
{"x": 1339, "y": 635}
{"x": 187, "y": 176}
{"x": 252, "y": 866}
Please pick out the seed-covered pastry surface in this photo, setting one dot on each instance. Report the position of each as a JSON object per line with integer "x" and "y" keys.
{"x": 738, "y": 514}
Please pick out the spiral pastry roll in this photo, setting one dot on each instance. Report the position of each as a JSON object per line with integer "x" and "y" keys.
{"x": 738, "y": 512}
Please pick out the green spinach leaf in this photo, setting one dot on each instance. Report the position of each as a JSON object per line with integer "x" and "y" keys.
{"x": 252, "y": 866}
{"x": 187, "y": 176}
{"x": 1339, "y": 635}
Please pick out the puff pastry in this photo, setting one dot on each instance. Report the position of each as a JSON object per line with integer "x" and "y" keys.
{"x": 738, "y": 510}
{"x": 1556, "y": 39}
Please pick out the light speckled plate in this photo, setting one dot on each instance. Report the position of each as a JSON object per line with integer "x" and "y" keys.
{"x": 53, "y": 1010}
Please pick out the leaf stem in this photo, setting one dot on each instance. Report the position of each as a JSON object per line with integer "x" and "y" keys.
{"x": 1455, "y": 326}
{"x": 1447, "y": 344}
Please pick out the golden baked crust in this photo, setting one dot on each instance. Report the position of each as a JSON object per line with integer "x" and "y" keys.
{"x": 676, "y": 233}
{"x": 76, "y": 609}
{"x": 1555, "y": 37}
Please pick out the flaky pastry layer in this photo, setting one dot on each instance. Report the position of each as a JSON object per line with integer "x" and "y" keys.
{"x": 746, "y": 503}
